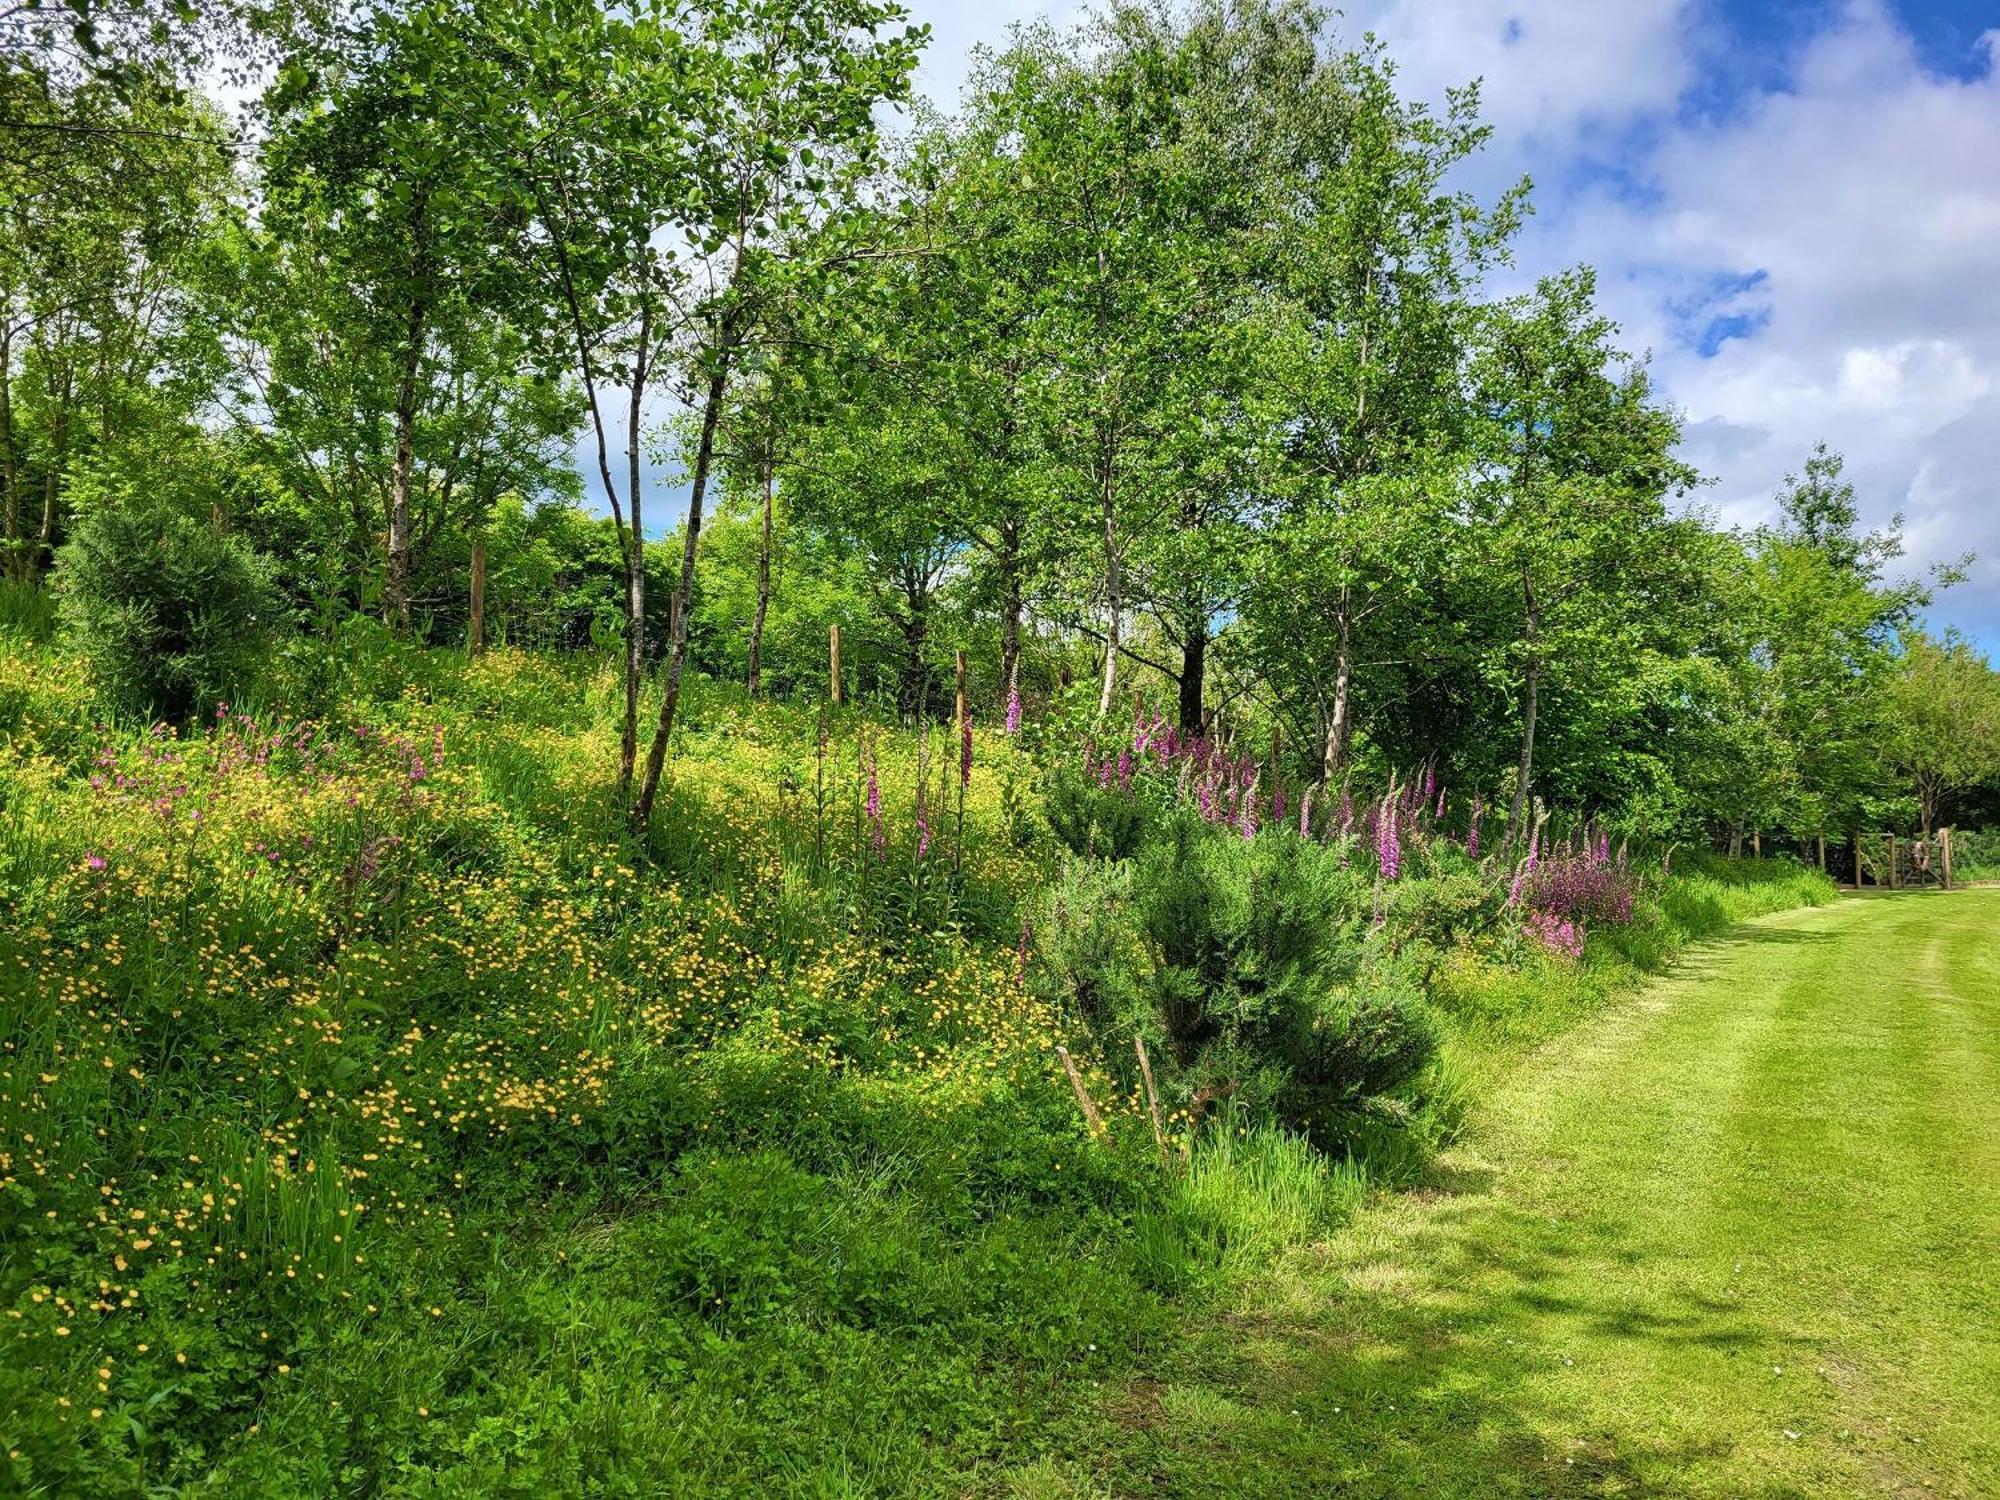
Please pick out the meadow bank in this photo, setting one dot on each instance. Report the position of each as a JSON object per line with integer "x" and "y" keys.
{"x": 382, "y": 1114}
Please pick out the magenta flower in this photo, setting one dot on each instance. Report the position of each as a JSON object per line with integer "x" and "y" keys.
{"x": 1013, "y": 710}
{"x": 94, "y": 862}
{"x": 923, "y": 831}
{"x": 1556, "y": 933}
{"x": 1388, "y": 845}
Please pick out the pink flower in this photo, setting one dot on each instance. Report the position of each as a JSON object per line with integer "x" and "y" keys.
{"x": 1013, "y": 710}
{"x": 94, "y": 862}
{"x": 1388, "y": 846}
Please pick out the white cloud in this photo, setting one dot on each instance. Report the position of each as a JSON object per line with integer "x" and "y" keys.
{"x": 1862, "y": 187}
{"x": 1830, "y": 240}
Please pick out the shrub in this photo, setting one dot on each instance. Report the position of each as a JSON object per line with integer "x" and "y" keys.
{"x": 1099, "y": 818}
{"x": 171, "y": 612}
{"x": 1250, "y": 960}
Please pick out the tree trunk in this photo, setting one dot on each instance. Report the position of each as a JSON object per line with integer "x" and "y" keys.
{"x": 1194, "y": 668}
{"x": 914, "y": 691}
{"x": 763, "y": 592}
{"x": 1333, "y": 756}
{"x": 45, "y": 542}
{"x": 704, "y": 458}
{"x": 1114, "y": 584}
{"x": 1010, "y": 607}
{"x": 476, "y": 609}
{"x": 635, "y": 562}
{"x": 1531, "y": 688}
{"x": 10, "y": 456}
{"x": 396, "y": 581}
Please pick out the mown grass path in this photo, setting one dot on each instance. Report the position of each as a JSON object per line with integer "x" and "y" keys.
{"x": 1740, "y": 1236}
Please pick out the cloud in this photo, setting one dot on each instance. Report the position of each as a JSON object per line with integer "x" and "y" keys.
{"x": 1794, "y": 209}
{"x": 1806, "y": 243}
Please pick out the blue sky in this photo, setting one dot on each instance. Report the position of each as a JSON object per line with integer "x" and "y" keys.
{"x": 1793, "y": 205}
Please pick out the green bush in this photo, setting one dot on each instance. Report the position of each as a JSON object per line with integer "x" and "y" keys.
{"x": 1250, "y": 961}
{"x": 1094, "y": 820}
{"x": 26, "y": 611}
{"x": 171, "y": 612}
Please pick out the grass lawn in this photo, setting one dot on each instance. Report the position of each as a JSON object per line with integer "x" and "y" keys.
{"x": 1736, "y": 1237}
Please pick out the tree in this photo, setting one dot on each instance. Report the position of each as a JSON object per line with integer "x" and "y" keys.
{"x": 1577, "y": 465}
{"x": 786, "y": 140}
{"x": 368, "y": 155}
{"x": 103, "y": 346}
{"x": 1944, "y": 716}
{"x": 1374, "y": 265}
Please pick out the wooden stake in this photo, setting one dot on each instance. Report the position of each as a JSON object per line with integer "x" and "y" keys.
{"x": 1895, "y": 875}
{"x": 833, "y": 662}
{"x": 1822, "y": 853}
{"x": 1152, "y": 1098}
{"x": 959, "y": 718}
{"x": 476, "y": 628}
{"x": 1944, "y": 842}
{"x": 1090, "y": 1115}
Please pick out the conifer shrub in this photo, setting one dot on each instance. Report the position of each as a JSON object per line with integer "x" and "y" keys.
{"x": 172, "y": 613}
{"x": 1252, "y": 966}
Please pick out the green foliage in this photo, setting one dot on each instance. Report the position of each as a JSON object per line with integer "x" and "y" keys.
{"x": 548, "y": 1112}
{"x": 172, "y": 613}
{"x": 1249, "y": 960}
{"x": 1093, "y": 818}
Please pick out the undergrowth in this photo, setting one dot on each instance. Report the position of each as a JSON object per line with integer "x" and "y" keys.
{"x": 381, "y": 1113}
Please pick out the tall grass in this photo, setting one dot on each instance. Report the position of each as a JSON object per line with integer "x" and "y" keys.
{"x": 1255, "y": 1190}
{"x": 360, "y": 1056}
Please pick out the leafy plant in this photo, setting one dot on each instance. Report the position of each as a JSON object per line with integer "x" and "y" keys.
{"x": 171, "y": 611}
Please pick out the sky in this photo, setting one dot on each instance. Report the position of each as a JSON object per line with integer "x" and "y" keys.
{"x": 1793, "y": 206}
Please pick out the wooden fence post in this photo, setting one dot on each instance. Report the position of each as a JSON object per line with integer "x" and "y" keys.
{"x": 1083, "y": 1100}
{"x": 1152, "y": 1098}
{"x": 1822, "y": 853}
{"x": 1944, "y": 840}
{"x": 833, "y": 662}
{"x": 1895, "y": 875}
{"x": 958, "y": 706}
{"x": 1854, "y": 842}
{"x": 475, "y": 638}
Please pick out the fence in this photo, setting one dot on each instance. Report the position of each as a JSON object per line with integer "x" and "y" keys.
{"x": 1896, "y": 863}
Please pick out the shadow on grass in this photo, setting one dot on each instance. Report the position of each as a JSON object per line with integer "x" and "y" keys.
{"x": 1752, "y": 936}
{"x": 1358, "y": 1376}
